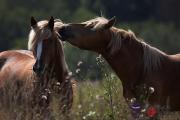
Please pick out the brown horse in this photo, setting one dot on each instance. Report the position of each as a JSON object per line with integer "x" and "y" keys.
{"x": 16, "y": 65}
{"x": 134, "y": 61}
{"x": 16, "y": 68}
{"x": 47, "y": 48}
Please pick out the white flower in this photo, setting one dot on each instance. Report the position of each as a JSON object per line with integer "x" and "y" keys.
{"x": 91, "y": 113}
{"x": 78, "y": 70}
{"x": 58, "y": 83}
{"x": 84, "y": 117}
{"x": 133, "y": 100}
{"x": 79, "y": 106}
{"x": 79, "y": 63}
{"x": 151, "y": 90}
{"x": 70, "y": 73}
{"x": 113, "y": 76}
{"x": 44, "y": 97}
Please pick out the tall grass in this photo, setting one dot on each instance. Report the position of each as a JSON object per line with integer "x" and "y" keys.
{"x": 93, "y": 100}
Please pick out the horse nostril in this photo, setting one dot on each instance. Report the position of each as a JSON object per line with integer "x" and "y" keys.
{"x": 35, "y": 69}
{"x": 64, "y": 32}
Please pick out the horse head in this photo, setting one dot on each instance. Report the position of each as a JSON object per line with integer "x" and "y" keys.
{"x": 90, "y": 35}
{"x": 43, "y": 41}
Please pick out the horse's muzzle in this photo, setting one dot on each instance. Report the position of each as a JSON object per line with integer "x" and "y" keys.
{"x": 38, "y": 70}
{"x": 65, "y": 33}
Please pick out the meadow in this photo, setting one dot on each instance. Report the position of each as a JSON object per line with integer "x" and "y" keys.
{"x": 93, "y": 100}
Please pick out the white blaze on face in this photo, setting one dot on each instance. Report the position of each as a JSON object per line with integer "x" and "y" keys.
{"x": 39, "y": 51}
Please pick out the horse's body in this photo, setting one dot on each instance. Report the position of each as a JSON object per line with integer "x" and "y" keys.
{"x": 34, "y": 74}
{"x": 16, "y": 65}
{"x": 134, "y": 61}
{"x": 165, "y": 79}
{"x": 48, "y": 49}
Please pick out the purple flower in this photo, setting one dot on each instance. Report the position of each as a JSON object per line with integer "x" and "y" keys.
{"x": 136, "y": 107}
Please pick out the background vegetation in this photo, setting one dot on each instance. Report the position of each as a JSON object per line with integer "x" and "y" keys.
{"x": 156, "y": 21}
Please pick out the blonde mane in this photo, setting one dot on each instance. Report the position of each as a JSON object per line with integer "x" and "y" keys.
{"x": 40, "y": 34}
{"x": 96, "y": 23}
{"x": 152, "y": 56}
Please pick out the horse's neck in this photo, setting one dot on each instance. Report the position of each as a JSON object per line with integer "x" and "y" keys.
{"x": 60, "y": 65}
{"x": 128, "y": 64}
{"x": 127, "y": 68}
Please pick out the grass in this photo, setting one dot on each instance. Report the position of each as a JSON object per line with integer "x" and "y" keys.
{"x": 93, "y": 100}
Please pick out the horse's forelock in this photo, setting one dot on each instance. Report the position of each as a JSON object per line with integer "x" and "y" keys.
{"x": 32, "y": 35}
{"x": 38, "y": 33}
{"x": 96, "y": 23}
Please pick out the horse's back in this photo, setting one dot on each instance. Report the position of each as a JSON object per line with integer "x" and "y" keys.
{"x": 15, "y": 53}
{"x": 15, "y": 65}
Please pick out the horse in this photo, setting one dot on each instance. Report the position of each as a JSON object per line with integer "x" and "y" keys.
{"x": 16, "y": 66}
{"x": 50, "y": 65}
{"x": 27, "y": 75}
{"x": 134, "y": 61}
{"x": 17, "y": 81}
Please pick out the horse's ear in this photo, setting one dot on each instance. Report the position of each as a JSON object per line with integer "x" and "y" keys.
{"x": 110, "y": 23}
{"x": 51, "y": 23}
{"x": 33, "y": 22}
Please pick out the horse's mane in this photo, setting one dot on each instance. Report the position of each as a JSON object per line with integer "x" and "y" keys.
{"x": 41, "y": 33}
{"x": 151, "y": 56}
{"x": 35, "y": 34}
{"x": 96, "y": 23}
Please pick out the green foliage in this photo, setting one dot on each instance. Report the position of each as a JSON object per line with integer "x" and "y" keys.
{"x": 15, "y": 25}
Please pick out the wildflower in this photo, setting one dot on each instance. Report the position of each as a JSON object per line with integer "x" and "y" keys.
{"x": 78, "y": 70}
{"x": 58, "y": 83}
{"x": 79, "y": 106}
{"x": 91, "y": 113}
{"x": 151, "y": 90}
{"x": 84, "y": 117}
{"x": 151, "y": 112}
{"x": 70, "y": 73}
{"x": 143, "y": 110}
{"x": 44, "y": 97}
{"x": 48, "y": 91}
{"x": 79, "y": 63}
{"x": 113, "y": 76}
{"x": 133, "y": 100}
{"x": 97, "y": 97}
{"x": 100, "y": 59}
{"x": 136, "y": 107}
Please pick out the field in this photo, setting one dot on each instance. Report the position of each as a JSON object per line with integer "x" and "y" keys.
{"x": 92, "y": 101}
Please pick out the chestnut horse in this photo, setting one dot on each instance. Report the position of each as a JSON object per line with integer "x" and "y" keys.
{"x": 50, "y": 65}
{"x": 16, "y": 65}
{"x": 134, "y": 61}
{"x": 34, "y": 72}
